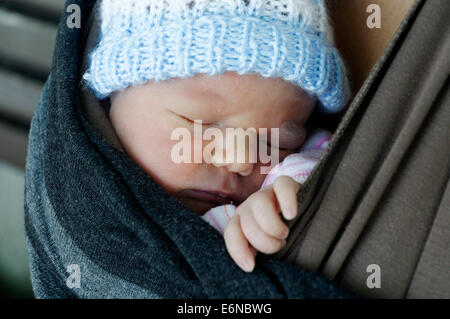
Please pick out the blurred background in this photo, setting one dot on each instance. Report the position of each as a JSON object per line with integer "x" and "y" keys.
{"x": 27, "y": 35}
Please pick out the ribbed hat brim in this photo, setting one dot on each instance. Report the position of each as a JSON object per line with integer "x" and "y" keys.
{"x": 215, "y": 44}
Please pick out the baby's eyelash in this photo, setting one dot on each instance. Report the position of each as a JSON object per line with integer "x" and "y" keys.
{"x": 192, "y": 122}
{"x": 186, "y": 119}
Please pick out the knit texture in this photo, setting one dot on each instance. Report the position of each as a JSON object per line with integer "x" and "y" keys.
{"x": 155, "y": 40}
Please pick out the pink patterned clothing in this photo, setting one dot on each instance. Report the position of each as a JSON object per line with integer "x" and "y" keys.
{"x": 298, "y": 166}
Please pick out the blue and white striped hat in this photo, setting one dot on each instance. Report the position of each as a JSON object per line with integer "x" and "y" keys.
{"x": 143, "y": 40}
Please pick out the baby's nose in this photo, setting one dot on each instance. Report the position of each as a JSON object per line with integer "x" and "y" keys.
{"x": 239, "y": 159}
{"x": 243, "y": 169}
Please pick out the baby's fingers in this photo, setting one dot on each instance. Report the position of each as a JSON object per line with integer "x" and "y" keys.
{"x": 266, "y": 212}
{"x": 237, "y": 245}
{"x": 257, "y": 237}
{"x": 285, "y": 189}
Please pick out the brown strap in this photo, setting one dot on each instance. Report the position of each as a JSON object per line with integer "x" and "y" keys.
{"x": 380, "y": 195}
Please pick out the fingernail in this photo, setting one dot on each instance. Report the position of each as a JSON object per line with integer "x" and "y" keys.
{"x": 294, "y": 213}
{"x": 291, "y": 213}
{"x": 249, "y": 264}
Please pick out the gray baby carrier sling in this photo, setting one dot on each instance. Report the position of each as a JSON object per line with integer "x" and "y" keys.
{"x": 375, "y": 213}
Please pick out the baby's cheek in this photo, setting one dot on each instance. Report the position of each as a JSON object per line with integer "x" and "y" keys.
{"x": 157, "y": 162}
{"x": 254, "y": 181}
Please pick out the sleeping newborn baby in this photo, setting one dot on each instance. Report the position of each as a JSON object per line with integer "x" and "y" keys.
{"x": 257, "y": 224}
{"x": 172, "y": 65}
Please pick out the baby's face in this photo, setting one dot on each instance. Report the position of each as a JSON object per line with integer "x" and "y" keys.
{"x": 144, "y": 118}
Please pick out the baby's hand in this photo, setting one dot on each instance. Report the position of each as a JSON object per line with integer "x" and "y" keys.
{"x": 257, "y": 224}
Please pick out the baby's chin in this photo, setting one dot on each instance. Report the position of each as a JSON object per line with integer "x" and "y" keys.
{"x": 199, "y": 207}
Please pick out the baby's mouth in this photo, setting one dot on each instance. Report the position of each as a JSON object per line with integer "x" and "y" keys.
{"x": 214, "y": 197}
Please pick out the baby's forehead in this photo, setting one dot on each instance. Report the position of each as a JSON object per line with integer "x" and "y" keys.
{"x": 232, "y": 99}
{"x": 231, "y": 88}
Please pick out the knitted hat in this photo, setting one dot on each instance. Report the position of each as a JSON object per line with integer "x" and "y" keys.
{"x": 143, "y": 40}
